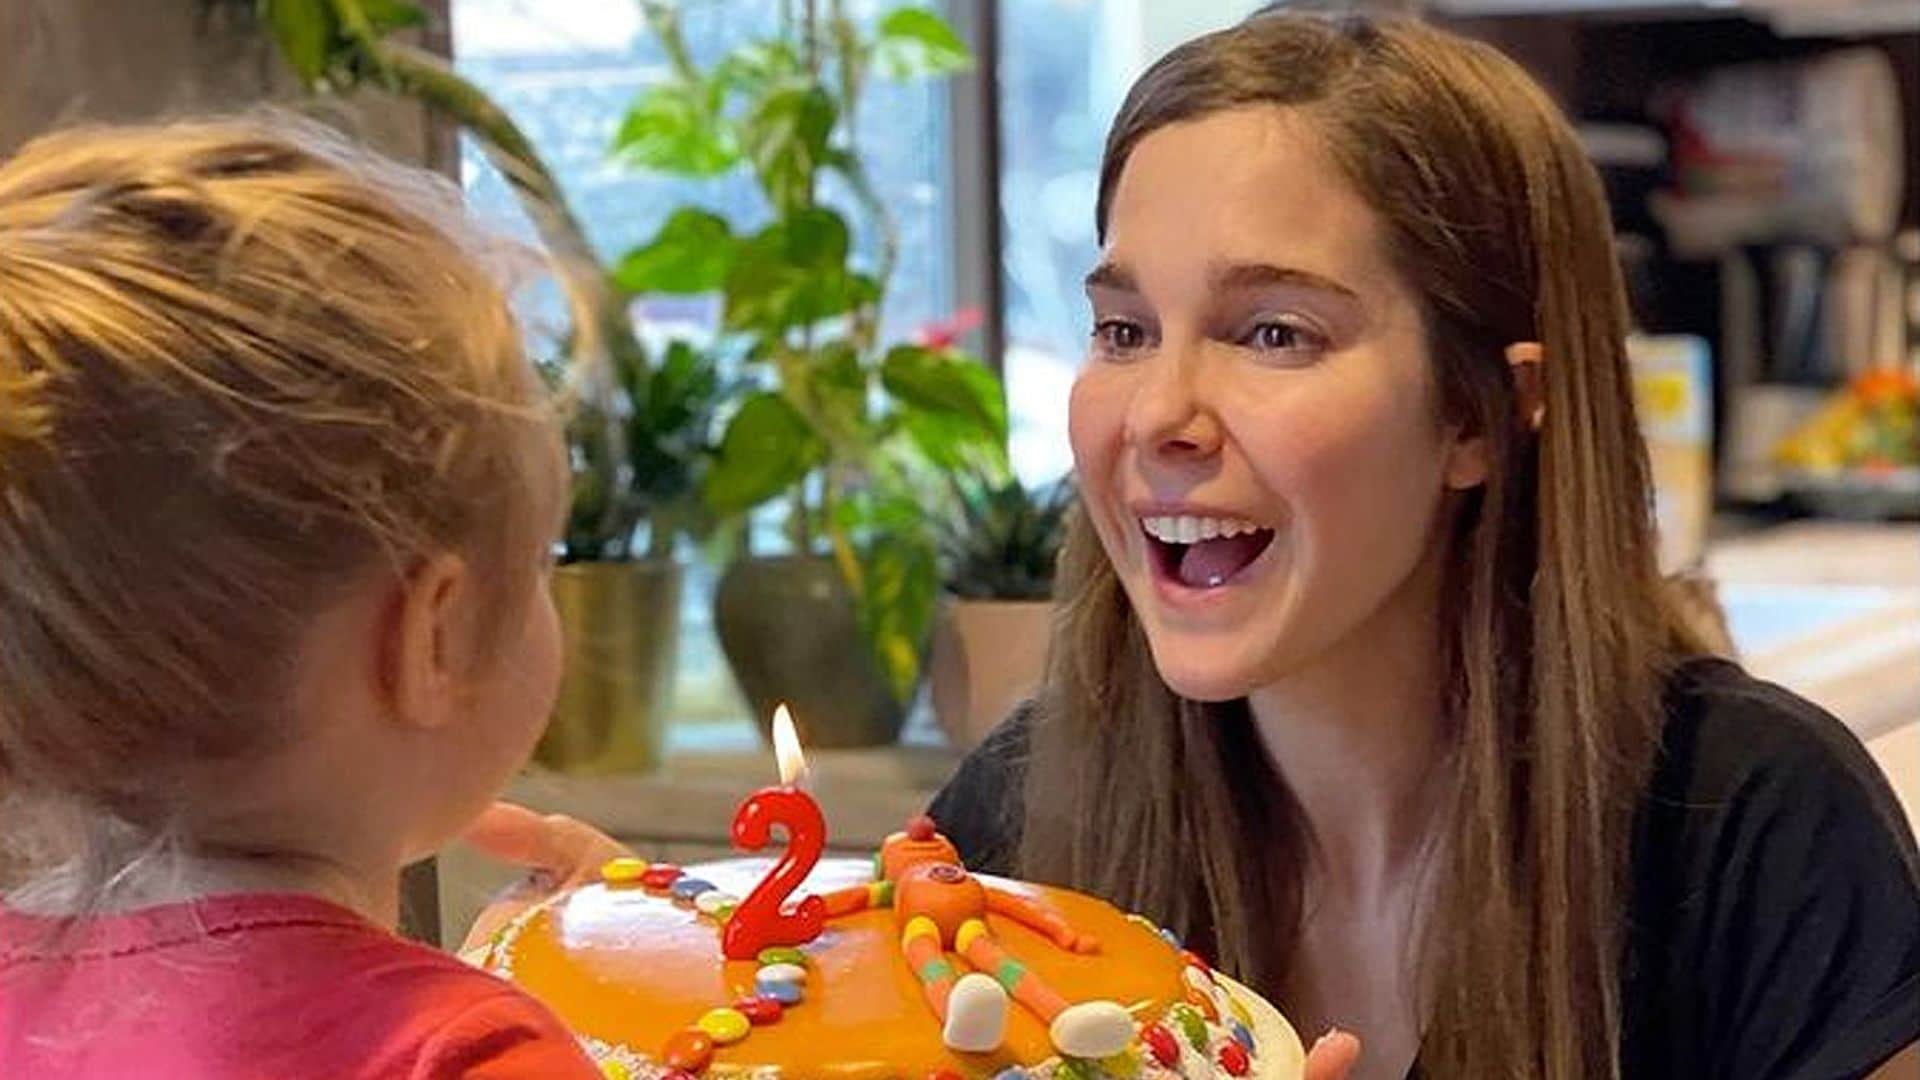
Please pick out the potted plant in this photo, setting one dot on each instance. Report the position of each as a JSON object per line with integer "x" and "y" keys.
{"x": 848, "y": 428}
{"x": 999, "y": 542}
{"x": 637, "y": 431}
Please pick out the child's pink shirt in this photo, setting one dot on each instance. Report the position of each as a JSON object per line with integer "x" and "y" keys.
{"x": 259, "y": 986}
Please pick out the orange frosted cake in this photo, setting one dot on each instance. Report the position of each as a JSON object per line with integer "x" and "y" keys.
{"x": 923, "y": 971}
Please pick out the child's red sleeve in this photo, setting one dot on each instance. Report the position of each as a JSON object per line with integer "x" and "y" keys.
{"x": 506, "y": 1036}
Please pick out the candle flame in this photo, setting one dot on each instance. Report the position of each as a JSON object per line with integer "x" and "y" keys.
{"x": 786, "y": 747}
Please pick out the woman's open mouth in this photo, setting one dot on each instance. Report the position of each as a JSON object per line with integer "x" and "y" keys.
{"x": 1202, "y": 552}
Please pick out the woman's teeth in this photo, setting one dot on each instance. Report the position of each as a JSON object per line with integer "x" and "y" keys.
{"x": 1187, "y": 529}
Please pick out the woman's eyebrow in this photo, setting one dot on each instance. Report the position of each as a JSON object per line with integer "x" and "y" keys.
{"x": 1229, "y": 277}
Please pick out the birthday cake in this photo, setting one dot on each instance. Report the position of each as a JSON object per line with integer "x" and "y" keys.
{"x": 916, "y": 969}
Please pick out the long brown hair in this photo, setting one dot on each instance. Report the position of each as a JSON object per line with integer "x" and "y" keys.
{"x": 243, "y": 366}
{"x": 1559, "y": 634}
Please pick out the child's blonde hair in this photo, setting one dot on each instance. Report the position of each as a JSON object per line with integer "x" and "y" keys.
{"x": 243, "y": 365}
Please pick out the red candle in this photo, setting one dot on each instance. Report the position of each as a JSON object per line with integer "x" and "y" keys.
{"x": 761, "y": 921}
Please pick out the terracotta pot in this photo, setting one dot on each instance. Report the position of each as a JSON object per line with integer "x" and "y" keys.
{"x": 988, "y": 656}
{"x": 621, "y": 625}
{"x": 788, "y": 627}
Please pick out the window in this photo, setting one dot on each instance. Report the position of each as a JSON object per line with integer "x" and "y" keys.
{"x": 566, "y": 71}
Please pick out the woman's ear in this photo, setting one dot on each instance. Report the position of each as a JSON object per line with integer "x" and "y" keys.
{"x": 1466, "y": 462}
{"x": 1527, "y": 361}
{"x": 422, "y": 645}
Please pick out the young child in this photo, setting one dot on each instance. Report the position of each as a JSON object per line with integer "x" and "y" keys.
{"x": 278, "y": 489}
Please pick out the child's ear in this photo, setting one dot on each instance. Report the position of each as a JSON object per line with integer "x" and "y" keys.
{"x": 421, "y": 653}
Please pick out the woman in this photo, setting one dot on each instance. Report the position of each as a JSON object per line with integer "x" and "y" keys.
{"x": 1363, "y": 676}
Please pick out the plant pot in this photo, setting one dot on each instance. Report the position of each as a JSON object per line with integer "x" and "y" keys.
{"x": 788, "y": 628}
{"x": 988, "y": 656}
{"x": 621, "y": 625}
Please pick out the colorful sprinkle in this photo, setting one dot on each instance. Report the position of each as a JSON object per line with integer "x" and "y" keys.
{"x": 880, "y": 894}
{"x": 725, "y": 911}
{"x": 624, "y": 870}
{"x": 1194, "y": 959}
{"x": 1239, "y": 1009}
{"x": 1241, "y": 1035}
{"x": 1075, "y": 1069}
{"x": 712, "y": 902}
{"x": 1012, "y": 1072}
{"x": 1187, "y": 1019}
{"x": 1233, "y": 1058}
{"x": 725, "y": 1026}
{"x": 661, "y": 876}
{"x": 691, "y": 1050}
{"x": 782, "y": 954}
{"x": 1171, "y": 938}
{"x": 1161, "y": 1044}
{"x": 1204, "y": 1003}
{"x": 758, "y": 1010}
{"x": 943, "y": 1074}
{"x": 687, "y": 888}
{"x": 1142, "y": 921}
{"x": 1124, "y": 1065}
{"x": 613, "y": 1070}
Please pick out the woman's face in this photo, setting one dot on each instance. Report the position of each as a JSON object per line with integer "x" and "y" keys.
{"x": 1255, "y": 428}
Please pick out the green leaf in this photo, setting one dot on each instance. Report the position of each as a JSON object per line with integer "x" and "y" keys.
{"x": 691, "y": 253}
{"x": 785, "y": 137}
{"x": 768, "y": 448}
{"x": 389, "y": 15}
{"x": 305, "y": 30}
{"x": 671, "y": 127}
{"x": 792, "y": 274}
{"x": 754, "y": 66}
{"x": 947, "y": 384}
{"x": 913, "y": 41}
{"x": 838, "y": 387}
{"x": 896, "y": 607}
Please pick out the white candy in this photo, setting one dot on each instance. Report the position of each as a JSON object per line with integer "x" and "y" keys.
{"x": 783, "y": 973}
{"x": 976, "y": 1015}
{"x": 1092, "y": 1029}
{"x": 711, "y": 901}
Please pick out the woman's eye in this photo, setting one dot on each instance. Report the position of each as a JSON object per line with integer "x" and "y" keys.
{"x": 1118, "y": 335}
{"x": 1272, "y": 335}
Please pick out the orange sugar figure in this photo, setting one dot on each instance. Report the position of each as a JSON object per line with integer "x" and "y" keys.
{"x": 942, "y": 909}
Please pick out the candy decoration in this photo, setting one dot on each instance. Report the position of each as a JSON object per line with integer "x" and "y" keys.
{"x": 1193, "y": 959}
{"x": 783, "y": 973}
{"x": 713, "y": 900}
{"x": 724, "y": 1026}
{"x": 1233, "y": 1058}
{"x": 613, "y": 1070}
{"x": 624, "y": 870}
{"x": 1092, "y": 1029}
{"x": 1161, "y": 1044}
{"x": 687, "y": 888}
{"x": 976, "y": 1015}
{"x": 759, "y": 1010}
{"x": 660, "y": 876}
{"x": 1012, "y": 1072}
{"x": 1187, "y": 1019}
{"x": 943, "y": 1074}
{"x": 1172, "y": 939}
{"x": 782, "y": 954}
{"x": 1241, "y": 1035}
{"x": 1143, "y": 922}
{"x": 1076, "y": 1069}
{"x": 783, "y": 993}
{"x": 1124, "y": 1065}
{"x": 691, "y": 1050}
{"x": 1204, "y": 1003}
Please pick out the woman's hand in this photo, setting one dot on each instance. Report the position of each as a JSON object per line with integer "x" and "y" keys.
{"x": 559, "y": 852}
{"x": 1332, "y": 1056}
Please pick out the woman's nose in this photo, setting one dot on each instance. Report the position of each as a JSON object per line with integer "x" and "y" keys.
{"x": 1169, "y": 415}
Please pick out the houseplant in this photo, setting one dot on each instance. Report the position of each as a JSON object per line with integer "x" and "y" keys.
{"x": 637, "y": 431}
{"x": 845, "y": 426}
{"x": 999, "y": 541}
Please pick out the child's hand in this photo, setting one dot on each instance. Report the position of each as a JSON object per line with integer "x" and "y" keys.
{"x": 1332, "y": 1056}
{"x": 559, "y": 852}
